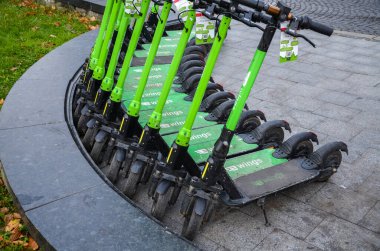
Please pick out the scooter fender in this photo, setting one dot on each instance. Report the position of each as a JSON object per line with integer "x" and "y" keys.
{"x": 137, "y": 167}
{"x": 163, "y": 186}
{"x": 200, "y": 206}
{"x": 84, "y": 110}
{"x": 120, "y": 155}
{"x": 101, "y": 136}
{"x": 91, "y": 123}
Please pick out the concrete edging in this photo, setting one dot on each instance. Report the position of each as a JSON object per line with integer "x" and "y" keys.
{"x": 63, "y": 200}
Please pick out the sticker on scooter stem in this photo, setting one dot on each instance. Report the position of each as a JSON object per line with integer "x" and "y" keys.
{"x": 133, "y": 7}
{"x": 204, "y": 29}
{"x": 183, "y": 7}
{"x": 288, "y": 45}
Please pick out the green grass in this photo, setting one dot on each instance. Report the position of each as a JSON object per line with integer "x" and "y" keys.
{"x": 28, "y": 31}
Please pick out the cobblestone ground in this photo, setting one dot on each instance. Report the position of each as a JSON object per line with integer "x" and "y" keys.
{"x": 333, "y": 90}
{"x": 362, "y": 16}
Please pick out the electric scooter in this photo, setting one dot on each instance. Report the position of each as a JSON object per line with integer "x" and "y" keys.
{"x": 246, "y": 178}
{"x": 170, "y": 175}
{"x": 103, "y": 131}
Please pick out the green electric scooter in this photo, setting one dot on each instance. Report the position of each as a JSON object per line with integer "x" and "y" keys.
{"x": 129, "y": 121}
{"x": 169, "y": 175}
{"x": 246, "y": 178}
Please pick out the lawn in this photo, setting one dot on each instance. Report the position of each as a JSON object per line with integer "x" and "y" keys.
{"x": 27, "y": 32}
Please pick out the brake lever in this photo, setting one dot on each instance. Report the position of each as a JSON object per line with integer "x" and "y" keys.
{"x": 246, "y": 19}
{"x": 294, "y": 34}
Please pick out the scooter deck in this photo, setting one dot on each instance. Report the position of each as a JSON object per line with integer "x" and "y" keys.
{"x": 167, "y": 46}
{"x": 259, "y": 174}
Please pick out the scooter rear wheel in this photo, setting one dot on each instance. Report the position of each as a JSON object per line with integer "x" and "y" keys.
{"x": 331, "y": 163}
{"x": 160, "y": 203}
{"x": 191, "y": 226}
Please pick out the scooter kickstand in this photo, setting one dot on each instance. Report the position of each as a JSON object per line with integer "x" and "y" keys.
{"x": 261, "y": 204}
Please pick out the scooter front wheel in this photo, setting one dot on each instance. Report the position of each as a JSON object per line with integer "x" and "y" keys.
{"x": 192, "y": 225}
{"x": 113, "y": 170}
{"x": 88, "y": 138}
{"x": 97, "y": 150}
{"x": 131, "y": 183}
{"x": 160, "y": 203}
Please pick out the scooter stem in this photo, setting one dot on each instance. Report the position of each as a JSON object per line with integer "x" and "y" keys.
{"x": 250, "y": 78}
{"x": 99, "y": 39}
{"x": 155, "y": 118}
{"x": 184, "y": 134}
{"x": 134, "y": 106}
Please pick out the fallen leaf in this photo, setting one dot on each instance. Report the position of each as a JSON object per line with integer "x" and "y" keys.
{"x": 1, "y": 181}
{"x": 53, "y": 36}
{"x": 14, "y": 68}
{"x": 92, "y": 27}
{"x": 4, "y": 210}
{"x": 16, "y": 216}
{"x": 92, "y": 19}
{"x": 12, "y": 225}
{"x": 1, "y": 238}
{"x": 32, "y": 244}
{"x": 57, "y": 24}
{"x": 16, "y": 234}
{"x": 18, "y": 242}
{"x": 31, "y": 13}
{"x": 8, "y": 218}
{"x": 35, "y": 28}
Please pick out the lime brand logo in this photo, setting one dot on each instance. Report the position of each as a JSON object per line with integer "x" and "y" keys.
{"x": 168, "y": 125}
{"x": 262, "y": 182}
{"x": 174, "y": 113}
{"x": 204, "y": 135}
{"x": 149, "y": 85}
{"x": 234, "y": 168}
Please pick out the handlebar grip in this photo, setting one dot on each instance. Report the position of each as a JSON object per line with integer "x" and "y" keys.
{"x": 249, "y": 3}
{"x": 307, "y": 23}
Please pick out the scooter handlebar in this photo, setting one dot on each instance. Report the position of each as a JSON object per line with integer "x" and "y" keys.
{"x": 307, "y": 23}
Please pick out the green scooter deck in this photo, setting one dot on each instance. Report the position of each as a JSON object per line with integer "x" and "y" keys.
{"x": 167, "y": 46}
{"x": 258, "y": 174}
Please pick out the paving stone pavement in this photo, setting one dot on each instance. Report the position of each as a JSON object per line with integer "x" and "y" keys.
{"x": 333, "y": 90}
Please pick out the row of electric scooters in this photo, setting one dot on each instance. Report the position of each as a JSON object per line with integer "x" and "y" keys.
{"x": 140, "y": 129}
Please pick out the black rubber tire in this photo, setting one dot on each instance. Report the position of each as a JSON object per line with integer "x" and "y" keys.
{"x": 88, "y": 138}
{"x": 333, "y": 160}
{"x": 248, "y": 125}
{"x": 97, "y": 150}
{"x": 303, "y": 148}
{"x": 130, "y": 184}
{"x": 191, "y": 226}
{"x": 77, "y": 113}
{"x": 160, "y": 203}
{"x": 113, "y": 170}
{"x": 275, "y": 135}
{"x": 82, "y": 124}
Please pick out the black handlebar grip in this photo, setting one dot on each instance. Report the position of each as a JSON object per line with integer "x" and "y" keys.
{"x": 307, "y": 23}
{"x": 254, "y": 4}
